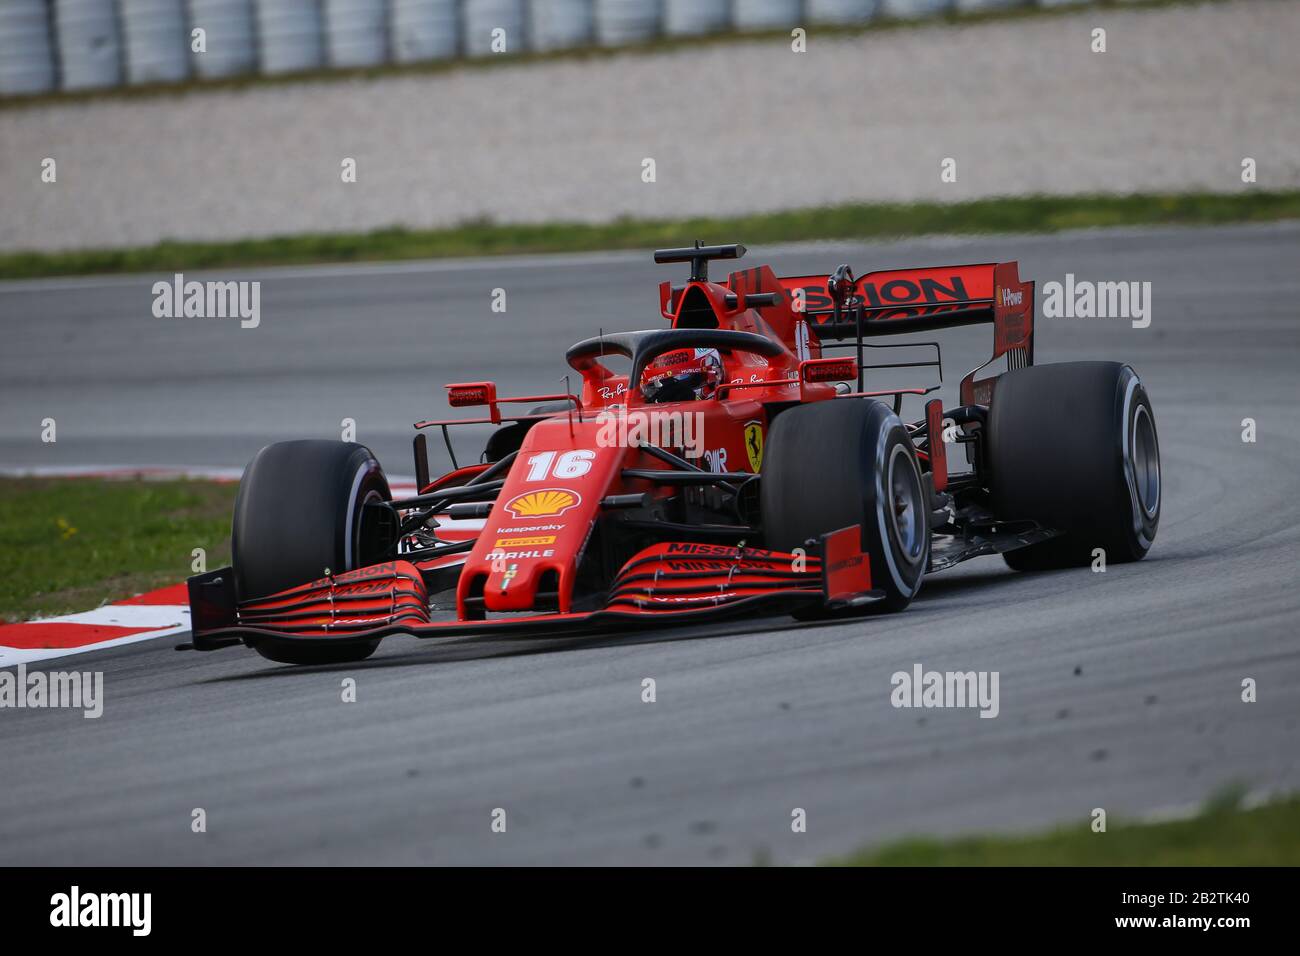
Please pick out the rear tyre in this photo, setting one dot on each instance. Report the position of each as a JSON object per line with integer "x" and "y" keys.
{"x": 1074, "y": 447}
{"x": 299, "y": 511}
{"x": 833, "y": 464}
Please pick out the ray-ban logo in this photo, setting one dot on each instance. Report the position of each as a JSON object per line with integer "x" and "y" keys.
{"x": 179, "y": 299}
{"x": 75, "y": 908}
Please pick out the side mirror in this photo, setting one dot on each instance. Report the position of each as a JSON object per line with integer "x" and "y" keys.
{"x": 471, "y": 393}
{"x": 475, "y": 393}
{"x": 828, "y": 370}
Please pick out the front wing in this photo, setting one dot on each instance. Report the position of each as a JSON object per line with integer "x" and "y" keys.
{"x": 664, "y": 585}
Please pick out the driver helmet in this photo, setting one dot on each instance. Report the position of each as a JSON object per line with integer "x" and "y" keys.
{"x": 682, "y": 375}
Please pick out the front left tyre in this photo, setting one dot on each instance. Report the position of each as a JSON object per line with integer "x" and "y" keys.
{"x": 301, "y": 509}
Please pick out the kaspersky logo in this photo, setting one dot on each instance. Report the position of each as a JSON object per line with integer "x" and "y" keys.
{"x": 543, "y": 504}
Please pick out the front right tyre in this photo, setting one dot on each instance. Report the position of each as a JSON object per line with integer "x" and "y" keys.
{"x": 842, "y": 462}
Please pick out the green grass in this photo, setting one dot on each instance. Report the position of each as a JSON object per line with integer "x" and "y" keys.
{"x": 849, "y": 221}
{"x": 1223, "y": 834}
{"x": 70, "y": 544}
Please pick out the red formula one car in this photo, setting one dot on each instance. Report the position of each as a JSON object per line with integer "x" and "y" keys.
{"x": 738, "y": 464}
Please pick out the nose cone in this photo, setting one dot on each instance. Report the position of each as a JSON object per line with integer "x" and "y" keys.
{"x": 527, "y": 556}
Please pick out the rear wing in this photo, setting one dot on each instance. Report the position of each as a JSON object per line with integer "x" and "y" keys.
{"x": 903, "y": 301}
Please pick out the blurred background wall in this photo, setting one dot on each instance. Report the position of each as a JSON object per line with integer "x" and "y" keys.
{"x": 51, "y": 45}
{"x": 1021, "y": 105}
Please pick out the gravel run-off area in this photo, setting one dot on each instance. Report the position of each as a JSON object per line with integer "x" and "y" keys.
{"x": 1182, "y": 94}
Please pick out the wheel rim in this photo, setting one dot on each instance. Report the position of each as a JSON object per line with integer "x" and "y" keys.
{"x": 354, "y": 554}
{"x": 1144, "y": 461}
{"x": 904, "y": 505}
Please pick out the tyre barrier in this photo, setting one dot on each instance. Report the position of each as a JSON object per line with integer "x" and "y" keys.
{"x": 914, "y": 9}
{"x": 289, "y": 36}
{"x": 622, "y": 22}
{"x": 26, "y": 48}
{"x": 156, "y": 38}
{"x": 494, "y": 26}
{"x": 90, "y": 48}
{"x": 686, "y": 18}
{"x": 842, "y": 11}
{"x": 424, "y": 30}
{"x": 356, "y": 33}
{"x": 229, "y": 48}
{"x": 93, "y": 44}
{"x": 561, "y": 24}
{"x": 982, "y": 6}
{"x": 766, "y": 14}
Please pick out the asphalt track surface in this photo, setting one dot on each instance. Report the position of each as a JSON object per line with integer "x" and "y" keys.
{"x": 1119, "y": 690}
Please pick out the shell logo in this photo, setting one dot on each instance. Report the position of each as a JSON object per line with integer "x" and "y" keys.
{"x": 544, "y": 503}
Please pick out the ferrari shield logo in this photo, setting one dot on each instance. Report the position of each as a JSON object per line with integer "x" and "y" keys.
{"x": 754, "y": 444}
